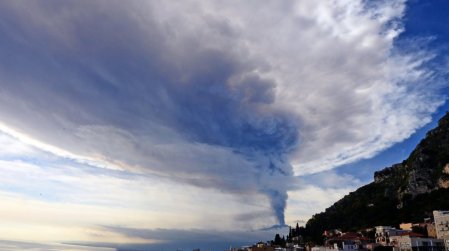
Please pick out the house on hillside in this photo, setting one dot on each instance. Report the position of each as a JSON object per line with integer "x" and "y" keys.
{"x": 348, "y": 241}
{"x": 332, "y": 233}
{"x": 344, "y": 242}
{"x": 383, "y": 234}
{"x": 416, "y": 242}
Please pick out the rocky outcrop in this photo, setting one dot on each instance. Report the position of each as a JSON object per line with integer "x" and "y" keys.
{"x": 425, "y": 170}
{"x": 443, "y": 182}
{"x": 387, "y": 173}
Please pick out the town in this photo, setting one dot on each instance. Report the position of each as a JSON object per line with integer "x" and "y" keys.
{"x": 429, "y": 235}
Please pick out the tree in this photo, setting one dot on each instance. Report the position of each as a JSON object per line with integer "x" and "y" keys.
{"x": 277, "y": 240}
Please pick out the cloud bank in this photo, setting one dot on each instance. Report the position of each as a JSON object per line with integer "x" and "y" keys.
{"x": 238, "y": 97}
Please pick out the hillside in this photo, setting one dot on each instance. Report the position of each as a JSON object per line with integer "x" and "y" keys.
{"x": 404, "y": 192}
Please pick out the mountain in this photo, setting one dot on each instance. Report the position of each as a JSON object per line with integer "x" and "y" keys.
{"x": 405, "y": 192}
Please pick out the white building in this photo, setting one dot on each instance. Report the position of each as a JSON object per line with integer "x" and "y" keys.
{"x": 383, "y": 234}
{"x": 412, "y": 243}
{"x": 442, "y": 226}
{"x": 345, "y": 247}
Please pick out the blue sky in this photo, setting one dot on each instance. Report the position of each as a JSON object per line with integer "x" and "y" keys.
{"x": 174, "y": 125}
{"x": 422, "y": 20}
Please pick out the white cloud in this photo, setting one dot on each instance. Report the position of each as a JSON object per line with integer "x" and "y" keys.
{"x": 333, "y": 63}
{"x": 57, "y": 194}
{"x": 315, "y": 192}
{"x": 64, "y": 201}
{"x": 167, "y": 88}
{"x": 312, "y": 199}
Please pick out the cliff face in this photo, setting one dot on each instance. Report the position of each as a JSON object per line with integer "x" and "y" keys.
{"x": 407, "y": 191}
{"x": 426, "y": 169}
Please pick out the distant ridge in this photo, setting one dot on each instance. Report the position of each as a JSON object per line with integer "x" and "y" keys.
{"x": 405, "y": 192}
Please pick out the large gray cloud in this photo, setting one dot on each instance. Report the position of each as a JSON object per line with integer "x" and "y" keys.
{"x": 223, "y": 96}
{"x": 198, "y": 115}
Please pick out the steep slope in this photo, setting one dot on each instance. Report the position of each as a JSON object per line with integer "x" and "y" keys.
{"x": 408, "y": 191}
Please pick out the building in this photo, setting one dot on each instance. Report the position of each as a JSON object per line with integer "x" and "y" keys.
{"x": 383, "y": 234}
{"x": 428, "y": 227}
{"x": 348, "y": 241}
{"x": 431, "y": 230}
{"x": 320, "y": 248}
{"x": 442, "y": 226}
{"x": 441, "y": 223}
{"x": 261, "y": 246}
{"x": 414, "y": 242}
{"x": 394, "y": 240}
{"x": 332, "y": 233}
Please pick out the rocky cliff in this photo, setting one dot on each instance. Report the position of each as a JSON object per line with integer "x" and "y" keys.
{"x": 407, "y": 191}
{"x": 426, "y": 169}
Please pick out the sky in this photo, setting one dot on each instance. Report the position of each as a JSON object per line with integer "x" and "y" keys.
{"x": 173, "y": 125}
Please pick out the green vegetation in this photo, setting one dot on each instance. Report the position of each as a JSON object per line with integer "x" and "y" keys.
{"x": 352, "y": 213}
